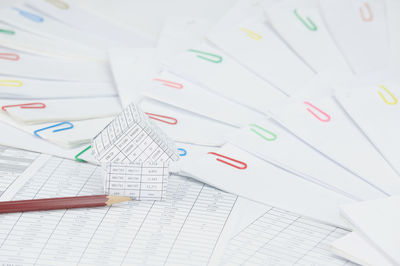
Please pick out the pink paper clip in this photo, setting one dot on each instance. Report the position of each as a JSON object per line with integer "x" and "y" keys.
{"x": 326, "y": 118}
{"x": 241, "y": 165}
{"x": 370, "y": 15}
{"x": 8, "y": 56}
{"x": 25, "y": 106}
{"x": 167, "y": 119}
{"x": 171, "y": 84}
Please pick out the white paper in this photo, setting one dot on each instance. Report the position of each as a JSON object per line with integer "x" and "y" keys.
{"x": 28, "y": 19}
{"x": 183, "y": 229}
{"x": 255, "y": 45}
{"x": 226, "y": 77}
{"x": 140, "y": 181}
{"x": 26, "y": 88}
{"x": 279, "y": 237}
{"x": 33, "y": 66}
{"x": 300, "y": 24}
{"x": 132, "y": 137}
{"x": 14, "y": 137}
{"x": 13, "y": 163}
{"x": 58, "y": 110}
{"x": 323, "y": 125}
{"x": 67, "y": 12}
{"x": 132, "y": 70}
{"x": 181, "y": 33}
{"x": 359, "y": 28}
{"x": 69, "y": 134}
{"x": 377, "y": 114}
{"x": 184, "y": 94}
{"x": 184, "y": 126}
{"x": 19, "y": 39}
{"x": 393, "y": 20}
{"x": 355, "y": 248}
{"x": 258, "y": 180}
{"x": 270, "y": 142}
{"x": 378, "y": 221}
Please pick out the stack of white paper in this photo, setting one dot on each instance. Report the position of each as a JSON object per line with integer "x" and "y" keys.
{"x": 377, "y": 237}
{"x": 288, "y": 103}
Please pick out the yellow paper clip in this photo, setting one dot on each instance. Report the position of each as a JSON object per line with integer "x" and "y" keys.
{"x": 391, "y": 95}
{"x": 252, "y": 34}
{"x": 10, "y": 83}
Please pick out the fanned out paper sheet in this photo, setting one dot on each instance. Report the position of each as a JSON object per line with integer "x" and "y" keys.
{"x": 135, "y": 155}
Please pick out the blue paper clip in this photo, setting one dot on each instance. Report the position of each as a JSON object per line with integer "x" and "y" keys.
{"x": 28, "y": 15}
{"x": 184, "y": 152}
{"x": 56, "y": 130}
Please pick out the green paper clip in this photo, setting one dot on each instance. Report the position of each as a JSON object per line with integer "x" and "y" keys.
{"x": 80, "y": 153}
{"x": 9, "y": 32}
{"x": 270, "y": 135}
{"x": 311, "y": 27}
{"x": 217, "y": 59}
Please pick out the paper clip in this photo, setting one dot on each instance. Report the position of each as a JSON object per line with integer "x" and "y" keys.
{"x": 28, "y": 15}
{"x": 9, "y": 32}
{"x": 8, "y": 56}
{"x": 25, "y": 106}
{"x": 82, "y": 152}
{"x": 270, "y": 135}
{"x": 310, "y": 24}
{"x": 241, "y": 165}
{"x": 171, "y": 84}
{"x": 184, "y": 152}
{"x": 370, "y": 15}
{"x": 252, "y": 34}
{"x": 58, "y": 3}
{"x": 327, "y": 117}
{"x": 56, "y": 130}
{"x": 217, "y": 59}
{"x": 383, "y": 97}
{"x": 167, "y": 119}
{"x": 10, "y": 83}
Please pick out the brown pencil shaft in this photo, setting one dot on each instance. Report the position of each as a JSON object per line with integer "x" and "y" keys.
{"x": 53, "y": 204}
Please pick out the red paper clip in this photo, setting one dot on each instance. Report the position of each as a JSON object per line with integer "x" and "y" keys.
{"x": 171, "y": 84}
{"x": 8, "y": 56}
{"x": 167, "y": 119}
{"x": 242, "y": 165}
{"x": 327, "y": 117}
{"x": 25, "y": 106}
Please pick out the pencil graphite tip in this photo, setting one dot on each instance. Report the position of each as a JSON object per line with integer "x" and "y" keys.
{"x": 116, "y": 199}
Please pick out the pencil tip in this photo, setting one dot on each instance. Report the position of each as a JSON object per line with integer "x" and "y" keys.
{"x": 116, "y": 199}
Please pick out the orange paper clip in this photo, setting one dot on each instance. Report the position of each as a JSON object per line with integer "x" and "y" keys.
{"x": 171, "y": 84}
{"x": 325, "y": 118}
{"x": 8, "y": 56}
{"x": 25, "y": 106}
{"x": 370, "y": 15}
{"x": 241, "y": 165}
{"x": 392, "y": 102}
{"x": 162, "y": 118}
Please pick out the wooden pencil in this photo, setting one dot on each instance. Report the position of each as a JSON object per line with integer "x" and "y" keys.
{"x": 60, "y": 203}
